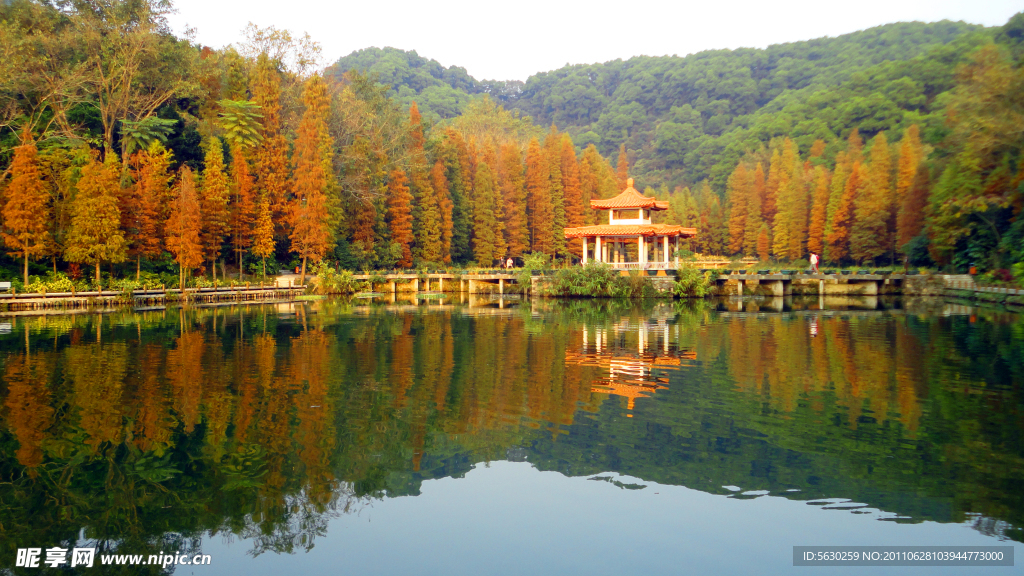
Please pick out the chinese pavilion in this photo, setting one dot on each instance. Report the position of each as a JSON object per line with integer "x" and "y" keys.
{"x": 629, "y": 222}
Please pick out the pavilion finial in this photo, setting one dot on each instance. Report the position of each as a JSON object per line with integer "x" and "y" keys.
{"x": 629, "y": 182}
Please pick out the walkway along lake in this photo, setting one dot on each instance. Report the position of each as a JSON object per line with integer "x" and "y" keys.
{"x": 513, "y": 436}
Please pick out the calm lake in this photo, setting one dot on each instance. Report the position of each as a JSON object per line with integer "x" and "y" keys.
{"x": 512, "y": 437}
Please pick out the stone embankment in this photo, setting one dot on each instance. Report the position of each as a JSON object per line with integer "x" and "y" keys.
{"x": 72, "y": 301}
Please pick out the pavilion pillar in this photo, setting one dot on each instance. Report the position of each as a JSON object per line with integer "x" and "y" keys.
{"x": 586, "y": 245}
{"x": 597, "y": 249}
{"x": 664, "y": 241}
{"x": 677, "y": 251}
{"x": 641, "y": 250}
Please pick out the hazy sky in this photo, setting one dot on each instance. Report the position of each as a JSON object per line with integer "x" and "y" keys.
{"x": 512, "y": 40}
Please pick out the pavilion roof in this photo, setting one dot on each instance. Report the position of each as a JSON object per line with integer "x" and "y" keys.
{"x": 629, "y": 198}
{"x": 632, "y": 230}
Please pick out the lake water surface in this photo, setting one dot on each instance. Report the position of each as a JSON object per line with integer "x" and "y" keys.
{"x": 512, "y": 437}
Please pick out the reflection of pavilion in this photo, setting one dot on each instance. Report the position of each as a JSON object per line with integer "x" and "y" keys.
{"x": 634, "y": 370}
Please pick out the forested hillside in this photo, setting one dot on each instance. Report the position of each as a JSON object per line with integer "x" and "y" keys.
{"x": 683, "y": 119}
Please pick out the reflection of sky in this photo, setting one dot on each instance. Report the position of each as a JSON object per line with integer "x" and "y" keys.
{"x": 509, "y": 518}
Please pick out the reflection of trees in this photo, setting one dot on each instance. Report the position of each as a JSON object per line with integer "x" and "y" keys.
{"x": 97, "y": 375}
{"x": 28, "y": 414}
{"x": 266, "y": 428}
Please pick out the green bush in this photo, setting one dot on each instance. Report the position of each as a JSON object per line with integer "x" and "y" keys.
{"x": 595, "y": 280}
{"x": 531, "y": 262}
{"x": 690, "y": 283}
{"x": 633, "y": 285}
{"x": 330, "y": 281}
{"x": 58, "y": 282}
{"x": 600, "y": 280}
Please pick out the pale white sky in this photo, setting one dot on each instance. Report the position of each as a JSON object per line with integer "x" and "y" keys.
{"x": 513, "y": 40}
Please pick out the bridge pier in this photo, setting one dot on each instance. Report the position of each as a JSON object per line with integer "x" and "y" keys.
{"x": 501, "y": 286}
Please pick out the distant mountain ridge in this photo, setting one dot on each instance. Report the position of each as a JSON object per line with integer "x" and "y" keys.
{"x": 684, "y": 119}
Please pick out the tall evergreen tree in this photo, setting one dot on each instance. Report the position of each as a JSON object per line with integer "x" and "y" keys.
{"x": 622, "y": 168}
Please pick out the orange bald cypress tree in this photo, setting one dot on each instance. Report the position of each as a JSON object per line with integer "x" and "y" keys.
{"x": 400, "y": 215}
{"x": 513, "y": 191}
{"x": 214, "y": 205}
{"x": 95, "y": 236}
{"x": 738, "y": 191}
{"x": 538, "y": 199}
{"x": 26, "y": 208}
{"x": 426, "y": 213}
{"x": 183, "y": 227}
{"x": 140, "y": 204}
{"x": 271, "y": 165}
{"x": 263, "y": 233}
{"x": 754, "y": 213}
{"x": 622, "y": 168}
{"x": 553, "y": 152}
{"x": 870, "y": 233}
{"x": 312, "y": 235}
{"x": 910, "y": 212}
{"x": 770, "y": 204}
{"x": 839, "y": 237}
{"x": 485, "y": 225}
{"x": 819, "y": 206}
{"x": 572, "y": 186}
{"x": 243, "y": 205}
{"x": 763, "y": 243}
{"x": 444, "y": 204}
{"x": 590, "y": 181}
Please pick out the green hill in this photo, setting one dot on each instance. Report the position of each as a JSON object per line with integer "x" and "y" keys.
{"x": 684, "y": 119}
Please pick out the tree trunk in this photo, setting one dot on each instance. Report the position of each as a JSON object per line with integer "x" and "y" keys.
{"x": 264, "y": 268}
{"x": 138, "y": 267}
{"x": 302, "y": 276}
{"x": 26, "y": 271}
{"x": 98, "y": 274}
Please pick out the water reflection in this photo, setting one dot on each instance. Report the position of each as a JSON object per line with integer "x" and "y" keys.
{"x": 148, "y": 430}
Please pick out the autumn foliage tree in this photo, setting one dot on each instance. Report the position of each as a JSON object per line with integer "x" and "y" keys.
{"x": 538, "y": 199}
{"x": 95, "y": 235}
{"x": 400, "y": 215}
{"x": 311, "y": 232}
{"x": 738, "y": 192}
{"x": 184, "y": 227}
{"x": 243, "y": 204}
{"x": 140, "y": 203}
{"x": 25, "y": 211}
{"x": 216, "y": 222}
